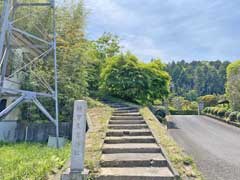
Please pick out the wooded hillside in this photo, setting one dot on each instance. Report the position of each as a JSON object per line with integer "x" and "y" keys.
{"x": 197, "y": 78}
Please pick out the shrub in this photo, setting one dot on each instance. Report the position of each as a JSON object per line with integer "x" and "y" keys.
{"x": 232, "y": 84}
{"x": 238, "y": 116}
{"x": 233, "y": 116}
{"x": 205, "y": 110}
{"x": 124, "y": 76}
{"x": 215, "y": 111}
{"x": 209, "y": 100}
{"x": 210, "y": 110}
{"x": 186, "y": 112}
{"x": 227, "y": 114}
{"x": 221, "y": 112}
{"x": 161, "y": 111}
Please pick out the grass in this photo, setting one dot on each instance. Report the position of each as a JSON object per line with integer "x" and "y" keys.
{"x": 94, "y": 140}
{"x": 183, "y": 163}
{"x": 30, "y": 161}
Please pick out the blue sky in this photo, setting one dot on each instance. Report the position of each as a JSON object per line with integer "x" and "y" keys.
{"x": 170, "y": 29}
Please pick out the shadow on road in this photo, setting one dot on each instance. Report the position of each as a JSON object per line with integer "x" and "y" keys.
{"x": 172, "y": 125}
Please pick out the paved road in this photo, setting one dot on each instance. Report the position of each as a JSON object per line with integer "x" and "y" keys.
{"x": 214, "y": 145}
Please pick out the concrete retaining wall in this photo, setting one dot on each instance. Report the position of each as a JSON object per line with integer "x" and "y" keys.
{"x": 7, "y": 131}
{"x": 11, "y": 131}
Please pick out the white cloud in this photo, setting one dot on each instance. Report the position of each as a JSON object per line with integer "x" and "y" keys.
{"x": 142, "y": 46}
{"x": 111, "y": 13}
{"x": 182, "y": 29}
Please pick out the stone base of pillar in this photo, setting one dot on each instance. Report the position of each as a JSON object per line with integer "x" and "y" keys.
{"x": 68, "y": 175}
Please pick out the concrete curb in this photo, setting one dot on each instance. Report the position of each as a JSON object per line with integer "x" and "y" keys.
{"x": 223, "y": 120}
{"x": 170, "y": 166}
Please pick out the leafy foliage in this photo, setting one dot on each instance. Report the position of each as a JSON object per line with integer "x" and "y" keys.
{"x": 71, "y": 63}
{"x": 106, "y": 46}
{"x": 181, "y": 104}
{"x": 209, "y": 100}
{"x": 125, "y": 77}
{"x": 197, "y": 78}
{"x": 233, "y": 85}
{"x": 233, "y": 116}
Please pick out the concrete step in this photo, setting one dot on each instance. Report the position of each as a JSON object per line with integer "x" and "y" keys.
{"x": 136, "y": 173}
{"x": 127, "y": 111}
{"x": 133, "y": 160}
{"x": 126, "y": 114}
{"x": 129, "y": 139}
{"x": 126, "y": 118}
{"x": 132, "y": 132}
{"x": 131, "y": 148}
{"x": 126, "y": 108}
{"x": 128, "y": 126}
{"x": 127, "y": 122}
{"x": 118, "y": 106}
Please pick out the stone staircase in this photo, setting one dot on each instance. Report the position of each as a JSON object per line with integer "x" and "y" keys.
{"x": 130, "y": 152}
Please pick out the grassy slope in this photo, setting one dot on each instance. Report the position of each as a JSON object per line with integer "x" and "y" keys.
{"x": 183, "y": 163}
{"x": 30, "y": 161}
{"x": 38, "y": 162}
{"x": 99, "y": 117}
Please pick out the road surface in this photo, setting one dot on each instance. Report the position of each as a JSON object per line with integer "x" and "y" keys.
{"x": 214, "y": 145}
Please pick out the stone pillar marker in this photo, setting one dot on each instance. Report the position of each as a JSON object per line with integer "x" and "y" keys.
{"x": 77, "y": 171}
{"x": 78, "y": 136}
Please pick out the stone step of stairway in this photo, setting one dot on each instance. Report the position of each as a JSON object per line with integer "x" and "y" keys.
{"x": 130, "y": 132}
{"x": 118, "y": 106}
{"x": 126, "y": 114}
{"x": 128, "y": 126}
{"x": 126, "y": 111}
{"x": 126, "y": 118}
{"x": 127, "y": 122}
{"x": 135, "y": 173}
{"x": 131, "y": 148}
{"x": 129, "y": 139}
{"x": 126, "y": 108}
{"x": 133, "y": 160}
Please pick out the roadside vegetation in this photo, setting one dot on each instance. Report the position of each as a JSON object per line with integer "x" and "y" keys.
{"x": 30, "y": 161}
{"x": 182, "y": 162}
{"x": 227, "y": 106}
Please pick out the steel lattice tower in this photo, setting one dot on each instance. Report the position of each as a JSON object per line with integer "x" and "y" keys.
{"x": 39, "y": 44}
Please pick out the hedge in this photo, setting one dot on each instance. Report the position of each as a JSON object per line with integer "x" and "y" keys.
{"x": 187, "y": 112}
{"x": 238, "y": 116}
{"x": 233, "y": 116}
{"x": 221, "y": 112}
{"x": 227, "y": 114}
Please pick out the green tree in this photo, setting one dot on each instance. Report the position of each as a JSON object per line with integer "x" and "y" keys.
{"x": 72, "y": 59}
{"x": 233, "y": 85}
{"x": 125, "y": 77}
{"x": 202, "y": 77}
{"x": 106, "y": 46}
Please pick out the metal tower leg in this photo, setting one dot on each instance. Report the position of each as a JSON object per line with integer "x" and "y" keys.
{"x": 12, "y": 36}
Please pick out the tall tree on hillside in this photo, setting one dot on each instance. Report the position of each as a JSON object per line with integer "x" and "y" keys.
{"x": 198, "y": 77}
{"x": 72, "y": 59}
{"x": 104, "y": 47}
{"x": 233, "y": 85}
